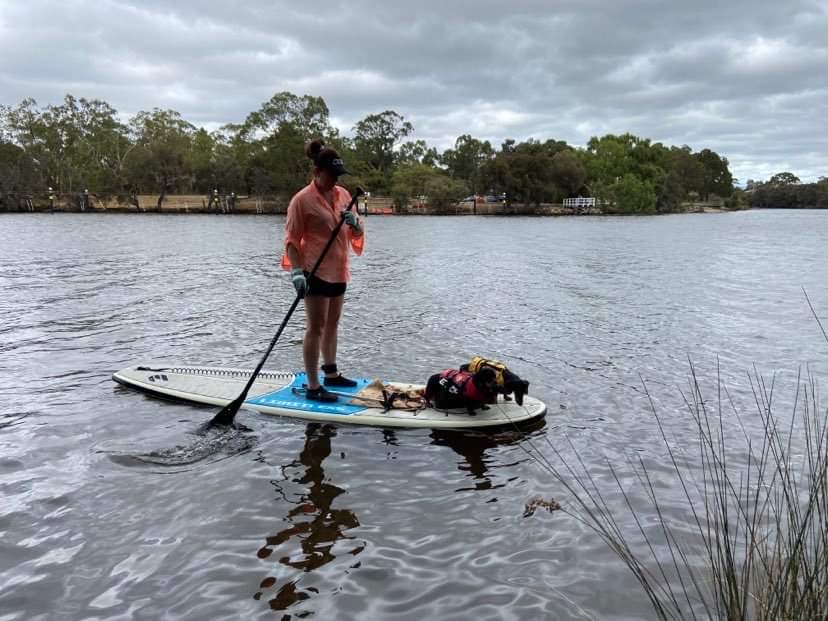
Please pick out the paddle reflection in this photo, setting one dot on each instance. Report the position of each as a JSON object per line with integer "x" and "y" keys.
{"x": 313, "y": 523}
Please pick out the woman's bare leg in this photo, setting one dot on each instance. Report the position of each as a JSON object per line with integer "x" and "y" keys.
{"x": 316, "y": 318}
{"x": 330, "y": 330}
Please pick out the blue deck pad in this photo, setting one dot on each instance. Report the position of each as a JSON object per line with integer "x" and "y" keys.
{"x": 285, "y": 398}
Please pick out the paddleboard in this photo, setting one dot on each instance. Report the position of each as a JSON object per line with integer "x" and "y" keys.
{"x": 282, "y": 394}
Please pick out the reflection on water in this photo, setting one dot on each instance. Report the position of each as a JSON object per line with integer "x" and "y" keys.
{"x": 314, "y": 526}
{"x": 316, "y": 531}
{"x": 472, "y": 447}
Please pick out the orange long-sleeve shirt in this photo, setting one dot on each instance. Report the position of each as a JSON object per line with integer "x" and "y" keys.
{"x": 311, "y": 220}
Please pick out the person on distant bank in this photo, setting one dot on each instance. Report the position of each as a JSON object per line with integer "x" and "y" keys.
{"x": 312, "y": 216}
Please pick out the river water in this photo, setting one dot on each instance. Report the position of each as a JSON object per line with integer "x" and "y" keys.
{"x": 305, "y": 521}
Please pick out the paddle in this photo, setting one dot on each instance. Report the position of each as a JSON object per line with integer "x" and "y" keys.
{"x": 228, "y": 412}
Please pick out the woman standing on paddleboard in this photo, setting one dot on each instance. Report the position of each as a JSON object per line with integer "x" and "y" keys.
{"x": 312, "y": 216}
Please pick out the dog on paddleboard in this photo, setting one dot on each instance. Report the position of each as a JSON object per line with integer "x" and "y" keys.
{"x": 507, "y": 382}
{"x": 455, "y": 389}
{"x": 474, "y": 385}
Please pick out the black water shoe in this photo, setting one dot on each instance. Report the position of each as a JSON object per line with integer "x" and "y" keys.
{"x": 336, "y": 380}
{"x": 320, "y": 394}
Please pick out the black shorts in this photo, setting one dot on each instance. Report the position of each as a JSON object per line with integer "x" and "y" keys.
{"x": 317, "y": 286}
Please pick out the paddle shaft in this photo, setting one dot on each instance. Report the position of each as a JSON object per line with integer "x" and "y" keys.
{"x": 228, "y": 412}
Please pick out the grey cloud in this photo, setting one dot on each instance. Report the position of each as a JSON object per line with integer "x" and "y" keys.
{"x": 745, "y": 78}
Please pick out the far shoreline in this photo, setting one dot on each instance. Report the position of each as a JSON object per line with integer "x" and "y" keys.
{"x": 376, "y": 206}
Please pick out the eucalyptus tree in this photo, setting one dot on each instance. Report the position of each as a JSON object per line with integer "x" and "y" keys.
{"x": 375, "y": 140}
{"x": 466, "y": 160}
{"x": 163, "y": 159}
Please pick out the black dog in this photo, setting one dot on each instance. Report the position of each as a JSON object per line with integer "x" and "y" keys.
{"x": 507, "y": 382}
{"x": 452, "y": 389}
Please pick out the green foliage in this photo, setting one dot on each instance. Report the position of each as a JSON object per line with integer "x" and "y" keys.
{"x": 568, "y": 173}
{"x": 671, "y": 193}
{"x": 716, "y": 178}
{"x": 417, "y": 152}
{"x": 528, "y": 172}
{"x": 688, "y": 167}
{"x": 466, "y": 160}
{"x": 283, "y": 156}
{"x": 785, "y": 191}
{"x": 608, "y": 158}
{"x": 629, "y": 195}
{"x": 375, "y": 138}
{"x": 163, "y": 158}
{"x": 19, "y": 176}
{"x": 424, "y": 182}
{"x": 83, "y": 144}
{"x": 784, "y": 178}
{"x": 738, "y": 200}
{"x": 307, "y": 115}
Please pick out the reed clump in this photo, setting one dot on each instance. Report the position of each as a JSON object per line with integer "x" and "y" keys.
{"x": 753, "y": 543}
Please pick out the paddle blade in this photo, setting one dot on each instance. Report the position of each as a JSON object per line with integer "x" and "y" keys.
{"x": 228, "y": 413}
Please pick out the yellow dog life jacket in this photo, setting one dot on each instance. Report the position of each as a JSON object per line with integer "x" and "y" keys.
{"x": 478, "y": 362}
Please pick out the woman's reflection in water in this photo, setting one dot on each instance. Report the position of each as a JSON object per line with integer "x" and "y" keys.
{"x": 316, "y": 527}
{"x": 312, "y": 522}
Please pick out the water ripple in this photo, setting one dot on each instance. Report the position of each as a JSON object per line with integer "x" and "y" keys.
{"x": 354, "y": 523}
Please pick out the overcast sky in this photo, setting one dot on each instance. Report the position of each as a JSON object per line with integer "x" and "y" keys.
{"x": 746, "y": 78}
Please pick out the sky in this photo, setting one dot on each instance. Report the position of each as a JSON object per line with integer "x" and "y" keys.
{"x": 745, "y": 78}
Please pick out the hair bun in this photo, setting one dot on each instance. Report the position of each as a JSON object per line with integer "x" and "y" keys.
{"x": 314, "y": 148}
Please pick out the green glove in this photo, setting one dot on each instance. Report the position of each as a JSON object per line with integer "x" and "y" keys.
{"x": 351, "y": 220}
{"x": 300, "y": 283}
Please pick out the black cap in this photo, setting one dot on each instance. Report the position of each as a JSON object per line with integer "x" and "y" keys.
{"x": 330, "y": 161}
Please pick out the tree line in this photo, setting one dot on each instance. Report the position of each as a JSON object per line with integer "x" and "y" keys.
{"x": 785, "y": 191}
{"x": 84, "y": 144}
